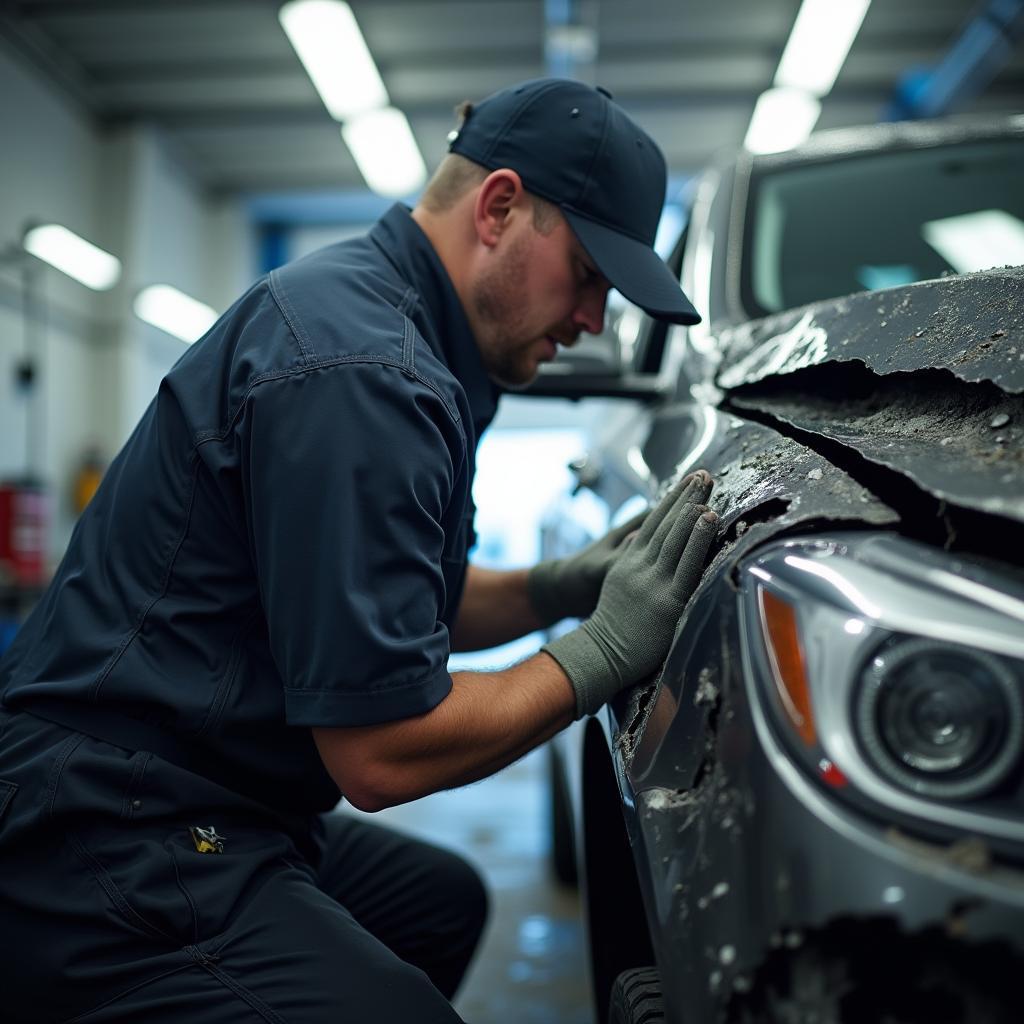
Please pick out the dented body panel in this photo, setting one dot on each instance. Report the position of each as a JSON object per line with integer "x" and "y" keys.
{"x": 959, "y": 446}
{"x": 746, "y": 857}
{"x": 926, "y": 381}
{"x": 868, "y": 453}
{"x": 971, "y": 325}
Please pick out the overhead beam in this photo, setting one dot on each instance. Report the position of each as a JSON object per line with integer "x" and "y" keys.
{"x": 35, "y": 48}
{"x": 236, "y": 115}
{"x": 41, "y": 9}
{"x": 441, "y": 60}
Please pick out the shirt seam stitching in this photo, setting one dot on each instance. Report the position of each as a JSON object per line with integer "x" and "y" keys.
{"x": 409, "y": 299}
{"x": 291, "y": 318}
{"x": 201, "y": 437}
{"x": 409, "y": 330}
{"x": 409, "y": 348}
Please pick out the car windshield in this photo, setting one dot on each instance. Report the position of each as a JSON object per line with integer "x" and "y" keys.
{"x": 881, "y": 220}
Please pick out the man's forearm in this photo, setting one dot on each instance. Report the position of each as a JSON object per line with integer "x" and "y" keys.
{"x": 495, "y": 609}
{"x": 487, "y": 721}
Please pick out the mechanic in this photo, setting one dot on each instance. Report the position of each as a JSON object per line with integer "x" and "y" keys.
{"x": 255, "y": 612}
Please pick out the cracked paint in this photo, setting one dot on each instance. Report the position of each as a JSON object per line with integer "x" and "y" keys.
{"x": 901, "y": 421}
{"x": 971, "y": 325}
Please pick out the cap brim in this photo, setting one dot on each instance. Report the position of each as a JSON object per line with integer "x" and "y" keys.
{"x": 635, "y": 269}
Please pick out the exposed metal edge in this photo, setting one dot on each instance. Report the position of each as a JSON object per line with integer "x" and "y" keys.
{"x": 971, "y": 325}
{"x": 1008, "y": 505}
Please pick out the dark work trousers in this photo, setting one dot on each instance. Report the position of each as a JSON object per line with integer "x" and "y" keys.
{"x": 108, "y": 912}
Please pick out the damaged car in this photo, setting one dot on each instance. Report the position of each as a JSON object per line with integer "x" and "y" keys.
{"x": 815, "y": 811}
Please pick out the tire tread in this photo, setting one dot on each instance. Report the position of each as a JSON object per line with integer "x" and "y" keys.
{"x": 636, "y": 998}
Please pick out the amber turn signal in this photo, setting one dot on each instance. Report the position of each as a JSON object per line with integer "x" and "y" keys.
{"x": 778, "y": 620}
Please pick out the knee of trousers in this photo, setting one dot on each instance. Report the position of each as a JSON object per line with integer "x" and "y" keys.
{"x": 464, "y": 888}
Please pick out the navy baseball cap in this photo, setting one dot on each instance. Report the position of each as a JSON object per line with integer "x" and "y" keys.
{"x": 572, "y": 145}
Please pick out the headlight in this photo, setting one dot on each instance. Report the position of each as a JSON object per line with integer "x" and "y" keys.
{"x": 894, "y": 674}
{"x": 941, "y": 720}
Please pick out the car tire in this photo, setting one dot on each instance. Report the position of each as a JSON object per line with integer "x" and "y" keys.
{"x": 563, "y": 840}
{"x": 636, "y": 998}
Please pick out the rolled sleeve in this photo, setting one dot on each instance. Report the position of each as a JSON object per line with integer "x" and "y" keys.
{"x": 350, "y": 472}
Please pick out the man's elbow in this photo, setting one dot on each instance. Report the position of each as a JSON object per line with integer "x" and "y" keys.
{"x": 365, "y": 796}
{"x": 364, "y": 782}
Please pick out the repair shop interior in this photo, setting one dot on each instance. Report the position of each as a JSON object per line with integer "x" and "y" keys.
{"x": 512, "y": 511}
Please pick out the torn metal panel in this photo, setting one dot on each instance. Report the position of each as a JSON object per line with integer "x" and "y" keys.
{"x": 970, "y": 324}
{"x": 961, "y": 443}
{"x": 765, "y": 485}
{"x": 747, "y": 861}
{"x": 752, "y": 848}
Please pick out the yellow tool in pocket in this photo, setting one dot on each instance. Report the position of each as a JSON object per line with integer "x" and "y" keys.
{"x": 206, "y": 839}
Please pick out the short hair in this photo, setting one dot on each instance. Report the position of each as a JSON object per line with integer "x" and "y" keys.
{"x": 456, "y": 175}
{"x": 545, "y": 215}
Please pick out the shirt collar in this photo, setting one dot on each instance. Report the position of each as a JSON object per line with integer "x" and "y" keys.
{"x": 441, "y": 320}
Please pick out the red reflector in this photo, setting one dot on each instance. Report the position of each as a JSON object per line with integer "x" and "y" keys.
{"x": 831, "y": 774}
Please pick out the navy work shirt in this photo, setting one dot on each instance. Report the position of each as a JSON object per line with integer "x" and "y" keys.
{"x": 282, "y": 541}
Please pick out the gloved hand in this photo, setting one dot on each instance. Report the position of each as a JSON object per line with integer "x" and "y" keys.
{"x": 643, "y": 595}
{"x": 564, "y": 588}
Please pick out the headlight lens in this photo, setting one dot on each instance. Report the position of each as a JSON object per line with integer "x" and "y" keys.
{"x": 939, "y": 719}
{"x": 894, "y": 674}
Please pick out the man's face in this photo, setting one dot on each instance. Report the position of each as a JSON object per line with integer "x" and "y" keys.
{"x": 539, "y": 291}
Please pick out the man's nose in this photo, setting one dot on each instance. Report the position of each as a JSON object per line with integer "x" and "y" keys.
{"x": 589, "y": 314}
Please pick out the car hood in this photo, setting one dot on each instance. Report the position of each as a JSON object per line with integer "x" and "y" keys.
{"x": 925, "y": 381}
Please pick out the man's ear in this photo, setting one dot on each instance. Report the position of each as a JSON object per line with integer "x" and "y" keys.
{"x": 500, "y": 193}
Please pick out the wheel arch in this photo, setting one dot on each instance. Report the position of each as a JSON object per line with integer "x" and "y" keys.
{"x": 617, "y": 929}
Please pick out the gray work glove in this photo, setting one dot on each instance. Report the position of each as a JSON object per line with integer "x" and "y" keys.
{"x": 569, "y": 587}
{"x": 644, "y": 593}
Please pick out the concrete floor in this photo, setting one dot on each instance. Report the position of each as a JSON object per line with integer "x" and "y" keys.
{"x": 530, "y": 968}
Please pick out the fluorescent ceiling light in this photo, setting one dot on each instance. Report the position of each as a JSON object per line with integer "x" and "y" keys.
{"x": 977, "y": 241}
{"x": 174, "y": 312}
{"x": 822, "y": 35}
{"x": 385, "y": 151}
{"x": 782, "y": 119}
{"x": 335, "y": 55}
{"x": 73, "y": 256}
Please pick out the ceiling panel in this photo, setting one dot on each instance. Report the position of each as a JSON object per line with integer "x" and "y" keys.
{"x": 221, "y": 80}
{"x": 396, "y": 29}
{"x": 153, "y": 94}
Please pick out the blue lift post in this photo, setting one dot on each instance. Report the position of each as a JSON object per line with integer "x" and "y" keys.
{"x": 273, "y": 246}
{"x": 982, "y": 49}
{"x": 570, "y": 39}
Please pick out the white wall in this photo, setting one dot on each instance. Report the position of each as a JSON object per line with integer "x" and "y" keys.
{"x": 308, "y": 238}
{"x": 167, "y": 232}
{"x": 126, "y": 191}
{"x": 47, "y": 172}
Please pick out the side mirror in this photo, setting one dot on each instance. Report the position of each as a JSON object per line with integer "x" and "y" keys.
{"x": 555, "y": 381}
{"x": 594, "y": 368}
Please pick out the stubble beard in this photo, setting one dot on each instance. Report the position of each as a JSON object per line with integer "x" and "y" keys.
{"x": 499, "y": 300}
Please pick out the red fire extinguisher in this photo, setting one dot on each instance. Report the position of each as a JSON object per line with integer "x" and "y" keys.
{"x": 24, "y": 521}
